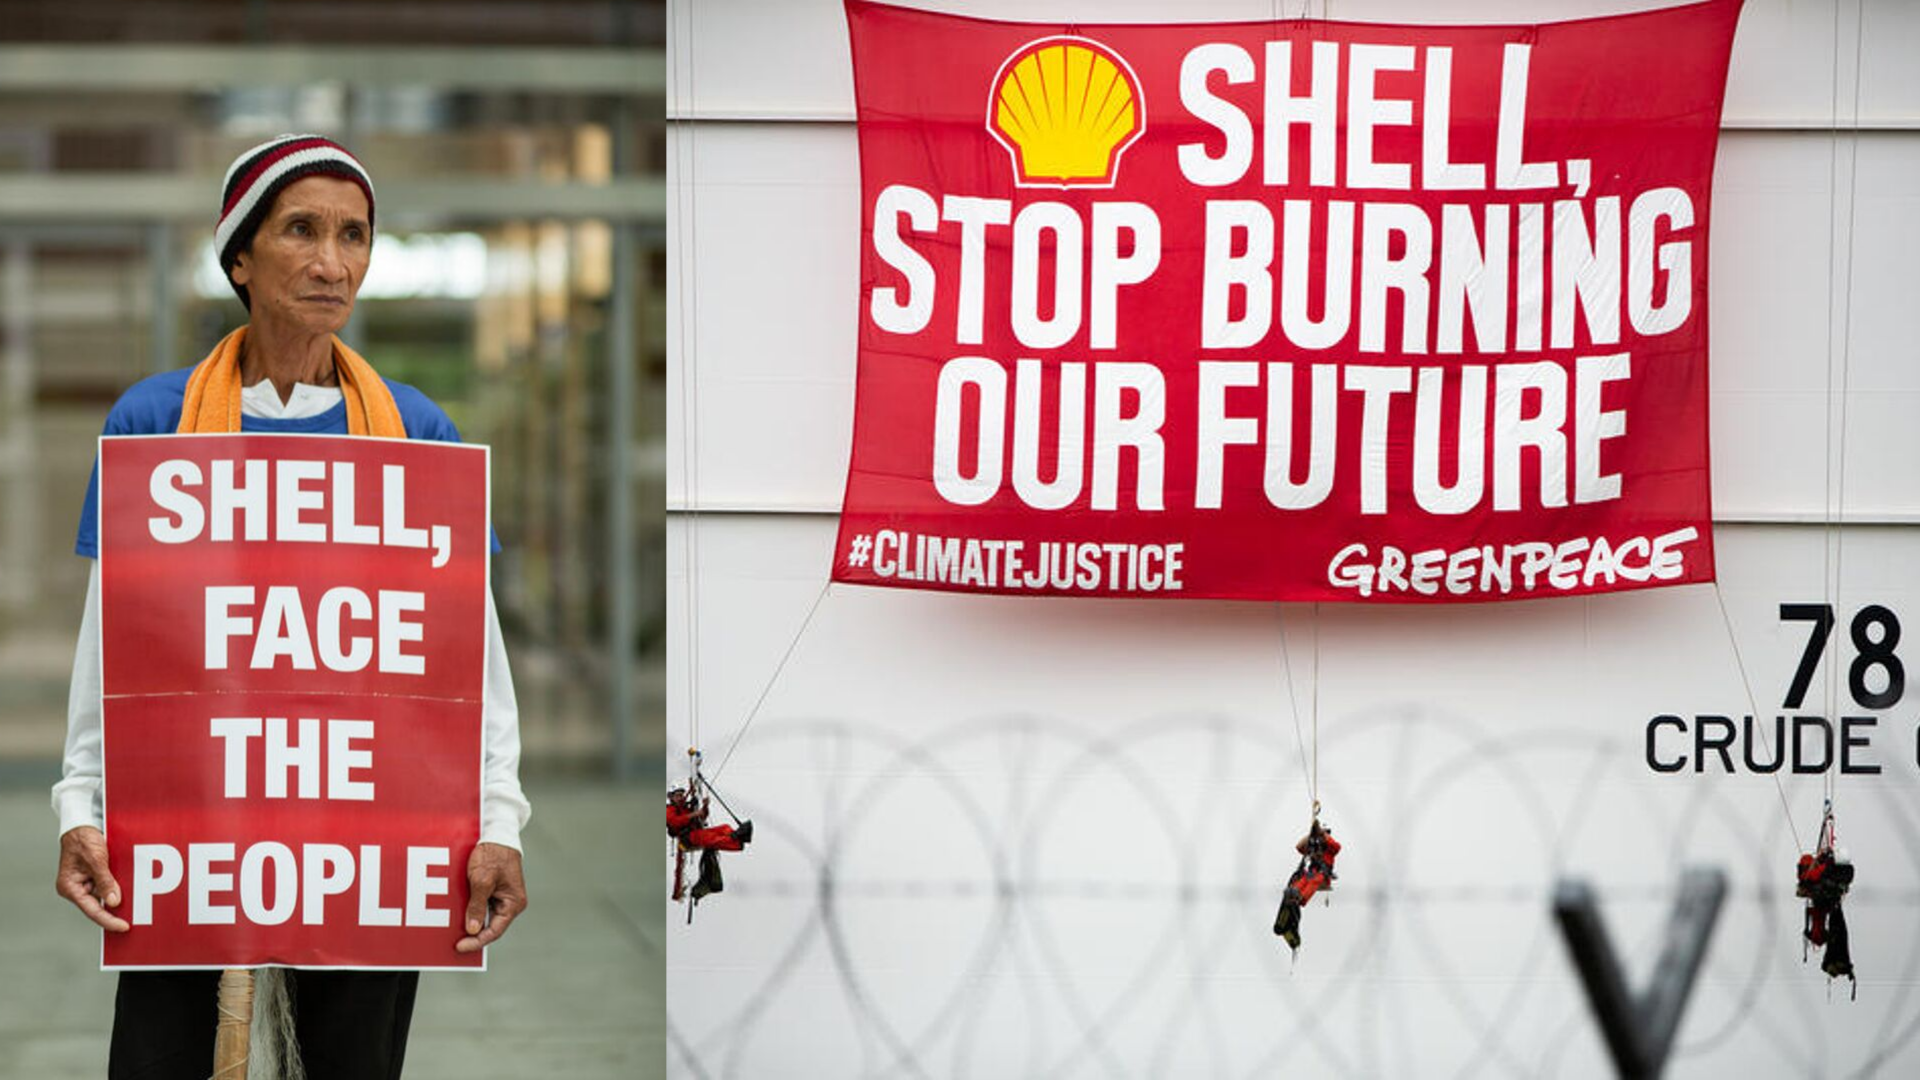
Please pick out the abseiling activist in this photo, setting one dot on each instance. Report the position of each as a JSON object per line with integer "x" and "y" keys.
{"x": 295, "y": 236}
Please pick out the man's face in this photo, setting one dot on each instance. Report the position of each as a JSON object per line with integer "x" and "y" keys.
{"x": 309, "y": 256}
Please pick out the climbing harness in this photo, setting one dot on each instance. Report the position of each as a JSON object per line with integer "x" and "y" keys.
{"x": 1314, "y": 874}
{"x": 687, "y": 828}
{"x": 1822, "y": 879}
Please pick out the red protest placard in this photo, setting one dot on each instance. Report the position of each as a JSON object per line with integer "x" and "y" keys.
{"x": 1294, "y": 310}
{"x": 293, "y": 645}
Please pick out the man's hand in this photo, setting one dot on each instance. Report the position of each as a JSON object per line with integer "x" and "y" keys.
{"x": 83, "y": 877}
{"x": 498, "y": 894}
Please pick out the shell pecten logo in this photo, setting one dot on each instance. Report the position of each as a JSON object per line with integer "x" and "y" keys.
{"x": 1065, "y": 108}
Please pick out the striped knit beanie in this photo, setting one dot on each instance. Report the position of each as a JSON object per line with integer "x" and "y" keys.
{"x": 258, "y": 176}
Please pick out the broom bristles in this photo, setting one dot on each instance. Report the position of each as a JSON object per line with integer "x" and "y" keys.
{"x": 255, "y": 1037}
{"x": 275, "y": 1043}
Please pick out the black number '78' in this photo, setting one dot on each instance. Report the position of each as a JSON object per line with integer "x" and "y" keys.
{"x": 1871, "y": 652}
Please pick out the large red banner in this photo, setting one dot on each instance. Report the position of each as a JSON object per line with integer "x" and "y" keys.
{"x": 1293, "y": 310}
{"x": 293, "y": 649}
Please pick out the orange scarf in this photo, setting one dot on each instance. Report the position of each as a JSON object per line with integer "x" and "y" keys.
{"x": 213, "y": 393}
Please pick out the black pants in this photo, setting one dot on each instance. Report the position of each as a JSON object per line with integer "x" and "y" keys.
{"x": 352, "y": 1025}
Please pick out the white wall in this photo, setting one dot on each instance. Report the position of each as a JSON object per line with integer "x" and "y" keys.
{"x": 1045, "y": 837}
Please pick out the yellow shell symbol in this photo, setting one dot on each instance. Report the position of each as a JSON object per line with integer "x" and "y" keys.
{"x": 1065, "y": 108}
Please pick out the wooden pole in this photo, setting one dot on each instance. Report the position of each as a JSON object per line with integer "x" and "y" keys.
{"x": 236, "y": 1020}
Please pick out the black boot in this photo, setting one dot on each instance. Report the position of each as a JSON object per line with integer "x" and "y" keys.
{"x": 1838, "y": 960}
{"x": 709, "y": 875}
{"x": 1287, "y": 922}
{"x": 744, "y": 833}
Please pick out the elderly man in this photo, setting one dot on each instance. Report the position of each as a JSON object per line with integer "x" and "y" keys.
{"x": 295, "y": 235}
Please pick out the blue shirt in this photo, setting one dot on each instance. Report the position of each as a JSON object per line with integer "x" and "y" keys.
{"x": 152, "y": 406}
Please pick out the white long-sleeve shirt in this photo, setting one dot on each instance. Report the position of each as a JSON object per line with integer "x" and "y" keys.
{"x": 79, "y": 799}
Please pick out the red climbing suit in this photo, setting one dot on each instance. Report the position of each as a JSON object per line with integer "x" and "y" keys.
{"x": 1812, "y": 874}
{"x": 1822, "y": 878}
{"x": 687, "y": 824}
{"x": 1316, "y": 869}
{"x": 1317, "y": 851}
